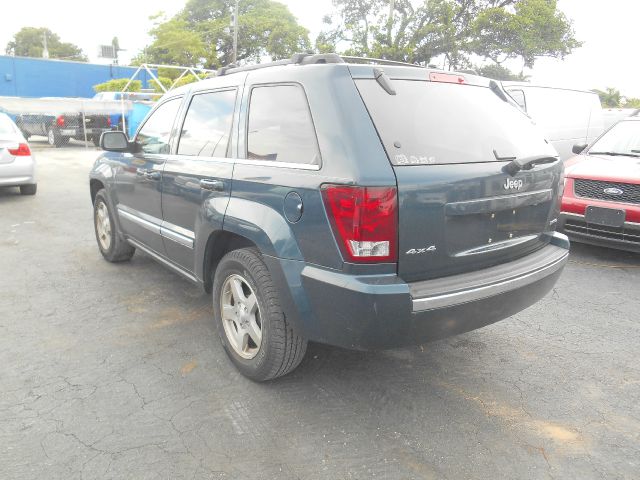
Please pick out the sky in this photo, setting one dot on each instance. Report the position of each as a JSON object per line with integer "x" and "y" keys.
{"x": 608, "y": 30}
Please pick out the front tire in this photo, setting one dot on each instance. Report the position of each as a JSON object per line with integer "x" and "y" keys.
{"x": 113, "y": 247}
{"x": 252, "y": 326}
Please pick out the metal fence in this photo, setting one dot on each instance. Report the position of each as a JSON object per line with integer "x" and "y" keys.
{"x": 65, "y": 121}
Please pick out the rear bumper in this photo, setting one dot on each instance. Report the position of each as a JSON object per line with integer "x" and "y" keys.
{"x": 78, "y": 132}
{"x": 21, "y": 171}
{"x": 377, "y": 312}
{"x": 625, "y": 238}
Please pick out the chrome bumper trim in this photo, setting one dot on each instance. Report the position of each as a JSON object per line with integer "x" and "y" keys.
{"x": 484, "y": 291}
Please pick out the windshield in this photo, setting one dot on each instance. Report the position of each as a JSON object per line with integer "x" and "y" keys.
{"x": 622, "y": 139}
{"x": 6, "y": 125}
{"x": 430, "y": 123}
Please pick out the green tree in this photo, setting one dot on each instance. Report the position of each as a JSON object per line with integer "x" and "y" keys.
{"x": 534, "y": 29}
{"x": 117, "y": 85}
{"x": 200, "y": 34}
{"x": 499, "y": 72}
{"x": 29, "y": 42}
{"x": 630, "y": 102}
{"x": 409, "y": 31}
{"x": 610, "y": 97}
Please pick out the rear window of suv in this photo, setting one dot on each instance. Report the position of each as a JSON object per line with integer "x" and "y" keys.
{"x": 432, "y": 123}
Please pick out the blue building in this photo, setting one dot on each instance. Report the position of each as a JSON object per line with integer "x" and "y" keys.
{"x": 39, "y": 77}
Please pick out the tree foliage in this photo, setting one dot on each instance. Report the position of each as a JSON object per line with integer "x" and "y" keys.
{"x": 500, "y": 72}
{"x": 631, "y": 102}
{"x": 117, "y": 85}
{"x": 29, "y": 42}
{"x": 612, "y": 98}
{"x": 418, "y": 31}
{"x": 200, "y": 34}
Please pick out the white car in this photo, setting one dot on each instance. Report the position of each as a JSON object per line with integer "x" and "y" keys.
{"x": 566, "y": 117}
{"x": 17, "y": 164}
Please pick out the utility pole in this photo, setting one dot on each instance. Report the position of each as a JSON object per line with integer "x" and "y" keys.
{"x": 45, "y": 50}
{"x": 392, "y": 7}
{"x": 235, "y": 33}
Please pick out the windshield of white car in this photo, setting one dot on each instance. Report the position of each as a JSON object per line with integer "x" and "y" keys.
{"x": 622, "y": 140}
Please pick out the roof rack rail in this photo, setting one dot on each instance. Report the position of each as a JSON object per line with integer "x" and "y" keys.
{"x": 310, "y": 58}
{"x": 379, "y": 61}
{"x": 297, "y": 59}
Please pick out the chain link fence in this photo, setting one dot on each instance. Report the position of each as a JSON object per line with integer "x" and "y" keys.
{"x": 62, "y": 122}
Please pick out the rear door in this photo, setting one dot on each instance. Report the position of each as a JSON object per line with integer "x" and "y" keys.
{"x": 138, "y": 182}
{"x": 449, "y": 140}
{"x": 197, "y": 178}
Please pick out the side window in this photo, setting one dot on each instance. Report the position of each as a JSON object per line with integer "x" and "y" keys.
{"x": 207, "y": 126}
{"x": 154, "y": 135}
{"x": 280, "y": 126}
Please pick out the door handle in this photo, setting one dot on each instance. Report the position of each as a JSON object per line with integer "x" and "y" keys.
{"x": 213, "y": 185}
{"x": 148, "y": 174}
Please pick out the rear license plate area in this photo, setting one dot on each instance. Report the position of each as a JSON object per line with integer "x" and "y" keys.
{"x": 467, "y": 232}
{"x": 608, "y": 217}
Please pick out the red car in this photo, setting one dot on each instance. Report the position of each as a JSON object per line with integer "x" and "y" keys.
{"x": 601, "y": 201}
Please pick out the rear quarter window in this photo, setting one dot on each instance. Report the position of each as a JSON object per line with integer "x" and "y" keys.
{"x": 280, "y": 128}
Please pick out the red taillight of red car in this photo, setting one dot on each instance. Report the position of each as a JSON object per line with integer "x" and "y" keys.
{"x": 60, "y": 121}
{"x": 23, "y": 150}
{"x": 365, "y": 221}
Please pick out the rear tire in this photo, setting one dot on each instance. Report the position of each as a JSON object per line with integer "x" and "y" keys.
{"x": 112, "y": 245}
{"x": 55, "y": 139}
{"x": 281, "y": 348}
{"x": 28, "y": 189}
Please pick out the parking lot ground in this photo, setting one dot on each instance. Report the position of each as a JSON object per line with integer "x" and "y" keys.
{"x": 115, "y": 371}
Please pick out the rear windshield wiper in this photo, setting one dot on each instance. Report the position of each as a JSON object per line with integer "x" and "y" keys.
{"x": 618, "y": 154}
{"x": 384, "y": 81}
{"x": 527, "y": 163}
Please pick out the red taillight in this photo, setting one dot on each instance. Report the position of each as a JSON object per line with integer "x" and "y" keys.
{"x": 365, "y": 221}
{"x": 60, "y": 121}
{"x": 23, "y": 150}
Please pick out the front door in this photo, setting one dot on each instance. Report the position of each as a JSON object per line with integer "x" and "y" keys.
{"x": 197, "y": 179}
{"x": 139, "y": 180}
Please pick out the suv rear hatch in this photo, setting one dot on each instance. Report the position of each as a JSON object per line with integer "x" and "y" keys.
{"x": 450, "y": 138}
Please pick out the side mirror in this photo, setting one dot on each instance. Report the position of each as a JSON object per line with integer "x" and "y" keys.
{"x": 579, "y": 148}
{"x": 115, "y": 142}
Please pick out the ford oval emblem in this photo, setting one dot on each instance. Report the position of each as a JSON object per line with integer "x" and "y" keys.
{"x": 613, "y": 191}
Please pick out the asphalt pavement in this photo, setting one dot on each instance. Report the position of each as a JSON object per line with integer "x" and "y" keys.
{"x": 115, "y": 371}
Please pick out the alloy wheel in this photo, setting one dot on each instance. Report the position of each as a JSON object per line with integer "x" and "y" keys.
{"x": 241, "y": 317}
{"x": 103, "y": 226}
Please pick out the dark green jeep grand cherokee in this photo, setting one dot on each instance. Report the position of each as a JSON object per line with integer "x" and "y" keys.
{"x": 359, "y": 205}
